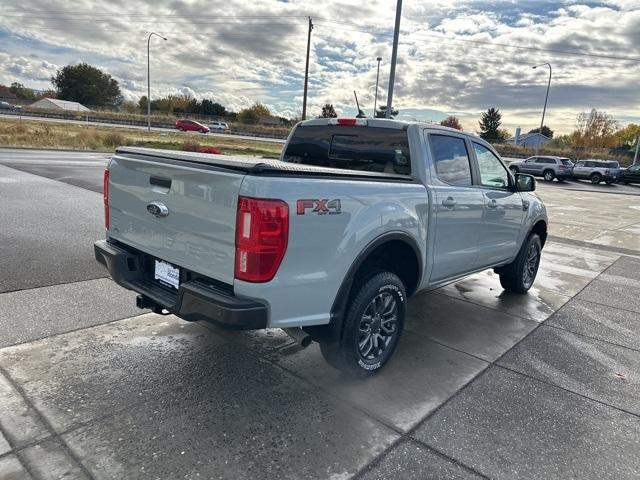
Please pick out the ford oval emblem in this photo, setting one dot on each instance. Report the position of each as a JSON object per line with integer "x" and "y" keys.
{"x": 157, "y": 209}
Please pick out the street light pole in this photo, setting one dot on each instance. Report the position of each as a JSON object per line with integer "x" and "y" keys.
{"x": 149, "y": 80}
{"x": 394, "y": 57}
{"x": 375, "y": 100}
{"x": 544, "y": 109}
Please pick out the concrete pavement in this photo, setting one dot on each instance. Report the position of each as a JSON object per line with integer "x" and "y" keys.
{"x": 484, "y": 384}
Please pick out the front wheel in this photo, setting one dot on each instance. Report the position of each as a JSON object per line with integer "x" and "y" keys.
{"x": 372, "y": 326}
{"x": 518, "y": 277}
{"x": 596, "y": 178}
{"x": 549, "y": 175}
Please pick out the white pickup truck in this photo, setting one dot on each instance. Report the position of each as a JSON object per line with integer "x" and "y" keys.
{"x": 328, "y": 241}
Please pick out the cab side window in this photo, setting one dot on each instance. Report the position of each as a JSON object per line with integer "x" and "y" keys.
{"x": 451, "y": 159}
{"x": 492, "y": 172}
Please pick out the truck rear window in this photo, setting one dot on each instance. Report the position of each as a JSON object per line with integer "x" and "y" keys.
{"x": 351, "y": 147}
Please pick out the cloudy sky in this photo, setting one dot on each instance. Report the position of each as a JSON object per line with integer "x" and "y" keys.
{"x": 455, "y": 57}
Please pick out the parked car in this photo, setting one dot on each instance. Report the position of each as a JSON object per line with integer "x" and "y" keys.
{"x": 325, "y": 243}
{"x": 544, "y": 166}
{"x": 6, "y": 106}
{"x": 596, "y": 171}
{"x": 630, "y": 175}
{"x": 218, "y": 126}
{"x": 191, "y": 126}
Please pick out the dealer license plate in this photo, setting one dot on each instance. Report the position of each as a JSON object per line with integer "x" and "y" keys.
{"x": 167, "y": 274}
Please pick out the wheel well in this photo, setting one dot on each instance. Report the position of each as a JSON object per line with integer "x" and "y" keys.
{"x": 595, "y": 173}
{"x": 393, "y": 256}
{"x": 541, "y": 229}
{"x": 548, "y": 170}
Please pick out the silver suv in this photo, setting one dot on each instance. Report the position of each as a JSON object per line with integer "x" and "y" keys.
{"x": 546, "y": 167}
{"x": 597, "y": 171}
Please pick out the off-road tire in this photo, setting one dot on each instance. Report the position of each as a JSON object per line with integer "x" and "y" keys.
{"x": 513, "y": 277}
{"x": 345, "y": 352}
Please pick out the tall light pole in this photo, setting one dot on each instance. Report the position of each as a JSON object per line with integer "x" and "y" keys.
{"x": 375, "y": 100}
{"x": 545, "y": 102}
{"x": 394, "y": 57}
{"x": 149, "y": 80}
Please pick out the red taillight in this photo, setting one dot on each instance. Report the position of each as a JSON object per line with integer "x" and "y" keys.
{"x": 262, "y": 232}
{"x": 105, "y": 198}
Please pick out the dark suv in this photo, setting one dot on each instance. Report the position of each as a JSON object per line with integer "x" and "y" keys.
{"x": 630, "y": 175}
{"x": 546, "y": 167}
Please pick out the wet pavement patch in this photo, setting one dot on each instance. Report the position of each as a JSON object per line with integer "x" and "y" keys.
{"x": 157, "y": 397}
{"x": 610, "y": 324}
{"x": 599, "y": 370}
{"x": 420, "y": 377}
{"x": 408, "y": 460}
{"x": 473, "y": 329}
{"x": 509, "y": 426}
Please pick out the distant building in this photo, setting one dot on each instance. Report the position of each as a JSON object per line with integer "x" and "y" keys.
{"x": 55, "y": 104}
{"x": 528, "y": 139}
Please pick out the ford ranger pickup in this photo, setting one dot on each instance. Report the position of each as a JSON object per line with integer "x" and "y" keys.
{"x": 328, "y": 241}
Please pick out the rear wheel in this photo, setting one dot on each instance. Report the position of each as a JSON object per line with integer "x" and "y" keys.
{"x": 596, "y": 178}
{"x": 372, "y": 326}
{"x": 518, "y": 277}
{"x": 549, "y": 175}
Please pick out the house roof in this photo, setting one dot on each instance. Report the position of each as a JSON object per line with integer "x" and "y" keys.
{"x": 525, "y": 136}
{"x": 64, "y": 104}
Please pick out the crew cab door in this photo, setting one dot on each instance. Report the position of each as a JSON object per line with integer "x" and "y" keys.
{"x": 458, "y": 207}
{"x": 503, "y": 209}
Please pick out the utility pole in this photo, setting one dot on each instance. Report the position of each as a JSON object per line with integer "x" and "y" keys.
{"x": 375, "y": 99}
{"x": 394, "y": 57}
{"x": 149, "y": 79}
{"x": 306, "y": 72}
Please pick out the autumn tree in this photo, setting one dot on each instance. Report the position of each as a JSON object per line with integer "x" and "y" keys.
{"x": 595, "y": 130}
{"x": 451, "y": 122}
{"x": 490, "y": 124}
{"x": 627, "y": 136}
{"x": 328, "y": 111}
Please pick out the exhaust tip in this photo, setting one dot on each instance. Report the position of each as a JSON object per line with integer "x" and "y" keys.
{"x": 301, "y": 337}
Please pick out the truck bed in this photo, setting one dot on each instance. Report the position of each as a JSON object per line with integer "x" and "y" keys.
{"x": 256, "y": 165}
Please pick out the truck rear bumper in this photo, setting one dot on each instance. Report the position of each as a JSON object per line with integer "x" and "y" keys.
{"x": 194, "y": 300}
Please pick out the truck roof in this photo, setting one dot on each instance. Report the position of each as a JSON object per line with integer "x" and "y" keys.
{"x": 386, "y": 123}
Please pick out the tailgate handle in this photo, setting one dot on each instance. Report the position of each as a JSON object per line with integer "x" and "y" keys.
{"x": 160, "y": 181}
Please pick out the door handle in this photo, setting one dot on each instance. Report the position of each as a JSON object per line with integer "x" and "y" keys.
{"x": 492, "y": 204}
{"x": 449, "y": 202}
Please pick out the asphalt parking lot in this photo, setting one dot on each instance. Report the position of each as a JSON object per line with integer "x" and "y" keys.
{"x": 484, "y": 384}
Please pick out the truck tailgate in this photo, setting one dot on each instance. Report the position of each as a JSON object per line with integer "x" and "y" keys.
{"x": 198, "y": 231}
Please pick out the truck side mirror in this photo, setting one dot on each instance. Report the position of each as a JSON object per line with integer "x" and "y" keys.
{"x": 525, "y": 183}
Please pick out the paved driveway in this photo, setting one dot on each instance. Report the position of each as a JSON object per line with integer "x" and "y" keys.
{"x": 483, "y": 384}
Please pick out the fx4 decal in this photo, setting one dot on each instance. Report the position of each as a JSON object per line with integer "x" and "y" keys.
{"x": 320, "y": 206}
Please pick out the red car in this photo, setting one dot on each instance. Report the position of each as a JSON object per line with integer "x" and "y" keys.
{"x": 191, "y": 126}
